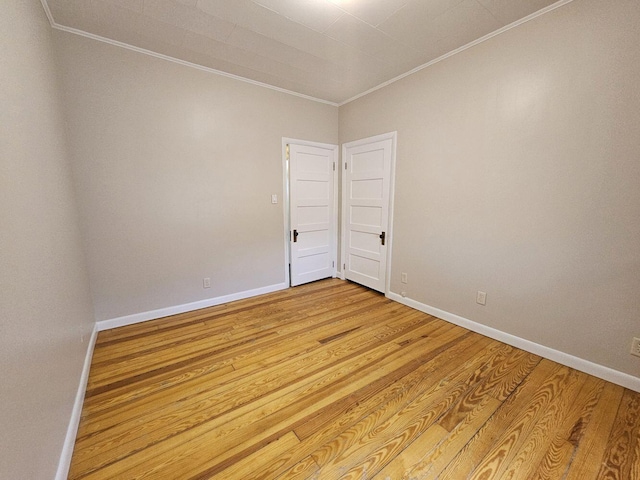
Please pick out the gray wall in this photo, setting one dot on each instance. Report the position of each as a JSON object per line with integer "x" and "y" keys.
{"x": 45, "y": 305}
{"x": 518, "y": 174}
{"x": 174, "y": 169}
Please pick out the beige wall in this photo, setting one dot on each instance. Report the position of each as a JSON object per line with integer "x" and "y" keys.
{"x": 175, "y": 168}
{"x": 518, "y": 174}
{"x": 45, "y": 308}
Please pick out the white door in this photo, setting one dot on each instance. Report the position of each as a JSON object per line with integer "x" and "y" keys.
{"x": 313, "y": 236}
{"x": 366, "y": 209}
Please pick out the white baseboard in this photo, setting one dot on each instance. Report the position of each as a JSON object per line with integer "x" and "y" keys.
{"x": 186, "y": 307}
{"x": 72, "y": 430}
{"x": 597, "y": 370}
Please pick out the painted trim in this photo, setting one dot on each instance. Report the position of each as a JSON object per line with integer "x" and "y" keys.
{"x": 47, "y": 12}
{"x": 64, "y": 463}
{"x": 116, "y": 43}
{"x": 392, "y": 195}
{"x": 334, "y": 216}
{"x": 286, "y": 207}
{"x": 595, "y": 369}
{"x": 393, "y": 136}
{"x": 168, "y": 58}
{"x": 186, "y": 307}
{"x": 488, "y": 36}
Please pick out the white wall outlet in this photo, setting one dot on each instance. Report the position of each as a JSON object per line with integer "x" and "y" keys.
{"x": 274, "y": 198}
{"x": 403, "y": 277}
{"x": 635, "y": 347}
{"x": 481, "y": 298}
{"x": 206, "y": 282}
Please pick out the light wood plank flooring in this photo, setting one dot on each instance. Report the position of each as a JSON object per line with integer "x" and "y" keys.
{"x": 331, "y": 380}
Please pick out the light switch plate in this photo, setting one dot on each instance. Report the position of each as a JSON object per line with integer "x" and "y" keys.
{"x": 481, "y": 298}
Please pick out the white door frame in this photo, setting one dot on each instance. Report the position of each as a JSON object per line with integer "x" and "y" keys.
{"x": 286, "y": 205}
{"x": 392, "y": 181}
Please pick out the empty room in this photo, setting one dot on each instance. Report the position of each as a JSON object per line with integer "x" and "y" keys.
{"x": 320, "y": 239}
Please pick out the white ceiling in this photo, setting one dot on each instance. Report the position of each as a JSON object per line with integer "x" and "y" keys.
{"x": 331, "y": 50}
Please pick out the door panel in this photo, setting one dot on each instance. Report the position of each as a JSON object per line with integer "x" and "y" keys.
{"x": 312, "y": 212}
{"x": 366, "y": 210}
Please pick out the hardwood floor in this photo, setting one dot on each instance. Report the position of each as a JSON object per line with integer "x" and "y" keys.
{"x": 330, "y": 380}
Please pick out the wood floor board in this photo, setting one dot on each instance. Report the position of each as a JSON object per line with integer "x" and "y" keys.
{"x": 396, "y": 387}
{"x": 330, "y": 380}
{"x": 556, "y": 451}
{"x": 298, "y": 413}
{"x": 526, "y": 459}
{"x": 165, "y": 423}
{"x": 282, "y": 351}
{"x": 595, "y": 434}
{"x": 230, "y": 326}
{"x": 303, "y": 331}
{"x": 509, "y": 416}
{"x": 622, "y": 456}
{"x": 293, "y": 402}
{"x": 228, "y": 393}
{"x": 448, "y": 403}
{"x": 131, "y": 332}
{"x": 237, "y": 379}
{"x": 209, "y": 348}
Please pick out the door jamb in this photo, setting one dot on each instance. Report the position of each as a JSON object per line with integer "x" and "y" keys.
{"x": 392, "y": 181}
{"x": 286, "y": 204}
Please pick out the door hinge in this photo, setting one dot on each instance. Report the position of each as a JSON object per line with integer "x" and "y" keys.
{"x": 333, "y": 264}
{"x": 344, "y": 267}
{"x": 334, "y": 166}
{"x": 345, "y": 165}
{"x": 287, "y": 151}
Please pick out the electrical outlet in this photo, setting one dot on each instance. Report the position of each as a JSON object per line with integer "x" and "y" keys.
{"x": 206, "y": 282}
{"x": 481, "y": 298}
{"x": 403, "y": 277}
{"x": 635, "y": 347}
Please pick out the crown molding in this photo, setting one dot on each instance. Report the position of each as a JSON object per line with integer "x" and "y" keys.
{"x": 488, "y": 36}
{"x": 168, "y": 58}
{"x": 47, "y": 11}
{"x": 143, "y": 51}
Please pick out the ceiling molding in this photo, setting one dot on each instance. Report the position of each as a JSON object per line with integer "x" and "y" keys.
{"x": 161, "y": 56}
{"x": 143, "y": 51}
{"x": 488, "y": 36}
{"x": 47, "y": 11}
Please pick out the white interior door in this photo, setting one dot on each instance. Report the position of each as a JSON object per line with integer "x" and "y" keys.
{"x": 366, "y": 202}
{"x": 313, "y": 237}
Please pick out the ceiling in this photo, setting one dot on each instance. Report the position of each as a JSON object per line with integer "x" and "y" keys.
{"x": 332, "y": 50}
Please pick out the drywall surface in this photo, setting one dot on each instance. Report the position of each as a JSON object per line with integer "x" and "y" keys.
{"x": 518, "y": 174}
{"x": 45, "y": 304}
{"x": 174, "y": 169}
